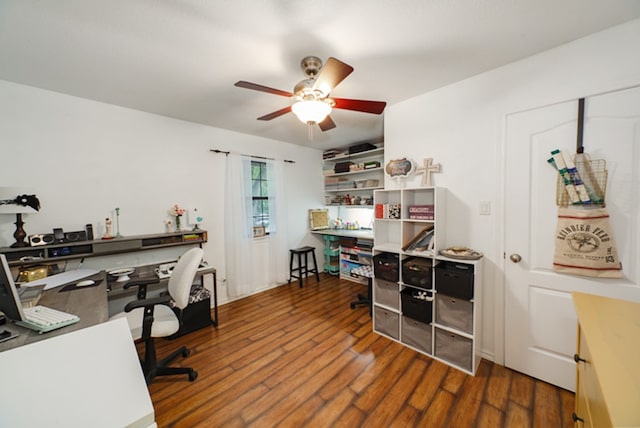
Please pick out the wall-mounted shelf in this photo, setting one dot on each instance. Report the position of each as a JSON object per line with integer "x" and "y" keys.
{"x": 62, "y": 251}
{"x": 366, "y": 174}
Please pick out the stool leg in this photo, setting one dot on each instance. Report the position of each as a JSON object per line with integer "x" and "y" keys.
{"x": 300, "y": 269}
{"x": 315, "y": 266}
{"x": 290, "y": 267}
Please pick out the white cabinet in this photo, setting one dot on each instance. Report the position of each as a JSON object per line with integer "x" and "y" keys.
{"x": 421, "y": 299}
{"x": 350, "y": 179}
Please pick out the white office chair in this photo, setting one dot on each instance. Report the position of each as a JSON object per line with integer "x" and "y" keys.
{"x": 153, "y": 317}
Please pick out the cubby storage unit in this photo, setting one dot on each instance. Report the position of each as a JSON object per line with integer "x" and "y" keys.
{"x": 421, "y": 299}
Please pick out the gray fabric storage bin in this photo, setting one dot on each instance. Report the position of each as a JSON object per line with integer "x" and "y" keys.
{"x": 416, "y": 334}
{"x": 386, "y": 322}
{"x": 453, "y": 348}
{"x": 386, "y": 293}
{"x": 454, "y": 312}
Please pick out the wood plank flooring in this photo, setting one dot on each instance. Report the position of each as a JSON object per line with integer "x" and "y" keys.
{"x": 296, "y": 357}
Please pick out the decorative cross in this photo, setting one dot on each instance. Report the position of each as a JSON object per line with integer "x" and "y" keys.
{"x": 426, "y": 170}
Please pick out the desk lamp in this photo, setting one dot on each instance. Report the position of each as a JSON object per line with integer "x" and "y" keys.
{"x": 16, "y": 201}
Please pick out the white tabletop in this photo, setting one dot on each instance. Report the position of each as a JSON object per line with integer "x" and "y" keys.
{"x": 86, "y": 378}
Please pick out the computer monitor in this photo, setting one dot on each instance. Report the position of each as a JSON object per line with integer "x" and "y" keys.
{"x": 9, "y": 300}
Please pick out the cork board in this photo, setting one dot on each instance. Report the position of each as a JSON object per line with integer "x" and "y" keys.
{"x": 319, "y": 219}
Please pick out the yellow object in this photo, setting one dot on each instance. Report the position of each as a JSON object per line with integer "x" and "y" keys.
{"x": 32, "y": 273}
{"x": 608, "y": 378}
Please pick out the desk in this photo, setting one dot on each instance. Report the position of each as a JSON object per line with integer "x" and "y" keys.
{"x": 347, "y": 233}
{"x": 86, "y": 378}
{"x": 89, "y": 303}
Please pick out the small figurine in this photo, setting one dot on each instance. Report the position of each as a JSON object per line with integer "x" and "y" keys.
{"x": 107, "y": 229}
{"x": 347, "y": 199}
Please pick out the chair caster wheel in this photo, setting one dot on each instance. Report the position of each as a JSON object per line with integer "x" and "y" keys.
{"x": 186, "y": 353}
{"x": 193, "y": 375}
{"x": 353, "y": 306}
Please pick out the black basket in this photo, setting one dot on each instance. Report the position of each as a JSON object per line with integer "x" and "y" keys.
{"x": 417, "y": 271}
{"x": 413, "y": 306}
{"x": 386, "y": 266}
{"x": 455, "y": 279}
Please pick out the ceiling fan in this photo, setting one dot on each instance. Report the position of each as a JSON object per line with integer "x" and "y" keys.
{"x": 312, "y": 103}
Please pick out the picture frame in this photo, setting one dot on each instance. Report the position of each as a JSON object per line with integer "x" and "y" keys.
{"x": 259, "y": 231}
{"x": 319, "y": 219}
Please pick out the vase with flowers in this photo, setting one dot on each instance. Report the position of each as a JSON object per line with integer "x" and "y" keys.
{"x": 177, "y": 212}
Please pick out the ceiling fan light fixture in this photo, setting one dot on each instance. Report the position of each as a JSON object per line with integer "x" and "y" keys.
{"x": 311, "y": 111}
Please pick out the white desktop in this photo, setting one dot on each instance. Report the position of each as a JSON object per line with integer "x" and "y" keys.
{"x": 89, "y": 377}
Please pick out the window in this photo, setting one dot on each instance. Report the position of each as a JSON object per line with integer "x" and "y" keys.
{"x": 260, "y": 194}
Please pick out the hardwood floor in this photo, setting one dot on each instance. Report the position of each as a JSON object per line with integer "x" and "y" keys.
{"x": 301, "y": 357}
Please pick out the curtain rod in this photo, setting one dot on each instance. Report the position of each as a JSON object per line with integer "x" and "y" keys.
{"x": 251, "y": 156}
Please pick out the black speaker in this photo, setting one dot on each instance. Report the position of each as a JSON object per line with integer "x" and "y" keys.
{"x": 89, "y": 228}
{"x": 42, "y": 239}
{"x": 75, "y": 236}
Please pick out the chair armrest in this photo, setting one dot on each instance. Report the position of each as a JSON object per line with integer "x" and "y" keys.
{"x": 144, "y": 303}
{"x": 142, "y": 286}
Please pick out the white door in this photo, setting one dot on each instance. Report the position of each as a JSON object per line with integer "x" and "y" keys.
{"x": 540, "y": 321}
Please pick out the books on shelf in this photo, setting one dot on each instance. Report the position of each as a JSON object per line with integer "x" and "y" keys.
{"x": 422, "y": 241}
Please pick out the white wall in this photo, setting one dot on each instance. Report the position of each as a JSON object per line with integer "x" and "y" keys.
{"x": 460, "y": 126}
{"x": 85, "y": 158}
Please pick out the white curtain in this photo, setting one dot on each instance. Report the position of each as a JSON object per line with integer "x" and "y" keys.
{"x": 242, "y": 276}
{"x": 238, "y": 229}
{"x": 277, "y": 269}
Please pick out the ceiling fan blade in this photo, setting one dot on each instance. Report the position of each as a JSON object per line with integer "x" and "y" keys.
{"x": 256, "y": 87}
{"x": 331, "y": 74}
{"x": 327, "y": 124}
{"x": 375, "y": 107}
{"x": 275, "y": 114}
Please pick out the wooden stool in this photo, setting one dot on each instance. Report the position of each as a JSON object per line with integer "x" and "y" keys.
{"x": 303, "y": 269}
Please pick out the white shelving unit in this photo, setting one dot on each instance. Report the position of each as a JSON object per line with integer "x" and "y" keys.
{"x": 358, "y": 184}
{"x": 440, "y": 315}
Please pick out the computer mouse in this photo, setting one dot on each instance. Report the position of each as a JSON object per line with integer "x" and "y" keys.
{"x": 85, "y": 283}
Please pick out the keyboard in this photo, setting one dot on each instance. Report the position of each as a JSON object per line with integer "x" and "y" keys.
{"x": 44, "y": 319}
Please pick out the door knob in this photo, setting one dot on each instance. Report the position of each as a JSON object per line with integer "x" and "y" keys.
{"x": 515, "y": 258}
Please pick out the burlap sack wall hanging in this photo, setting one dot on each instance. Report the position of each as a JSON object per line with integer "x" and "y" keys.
{"x": 585, "y": 244}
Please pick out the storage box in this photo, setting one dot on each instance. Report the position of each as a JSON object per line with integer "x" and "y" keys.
{"x": 342, "y": 167}
{"x": 455, "y": 313}
{"x": 386, "y": 266}
{"x": 371, "y": 164}
{"x": 362, "y": 147}
{"x": 417, "y": 271}
{"x": 197, "y": 314}
{"x": 416, "y": 334}
{"x": 417, "y": 304}
{"x": 455, "y": 279}
{"x": 386, "y": 293}
{"x": 389, "y": 211}
{"x": 386, "y": 322}
{"x": 421, "y": 212}
{"x": 453, "y": 348}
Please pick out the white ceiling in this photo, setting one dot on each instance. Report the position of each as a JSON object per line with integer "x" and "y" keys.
{"x": 180, "y": 58}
